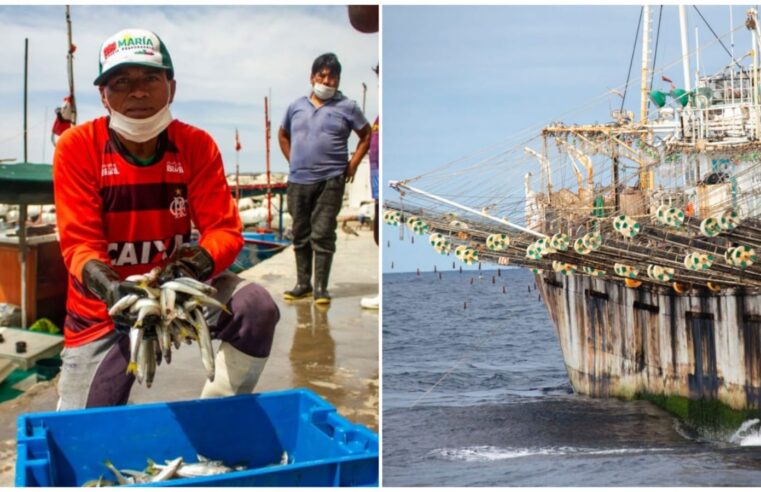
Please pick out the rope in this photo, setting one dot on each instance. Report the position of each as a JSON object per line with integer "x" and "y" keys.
{"x": 713, "y": 32}
{"x": 655, "y": 52}
{"x": 631, "y": 60}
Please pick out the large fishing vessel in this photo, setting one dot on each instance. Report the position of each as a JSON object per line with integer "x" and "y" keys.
{"x": 643, "y": 233}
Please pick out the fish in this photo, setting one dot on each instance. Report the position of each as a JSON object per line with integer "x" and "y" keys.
{"x": 135, "y": 342}
{"x": 120, "y": 479}
{"x": 146, "y": 309}
{"x": 193, "y": 292}
{"x": 122, "y": 304}
{"x": 198, "y": 285}
{"x": 142, "y": 360}
{"x": 168, "y": 471}
{"x": 99, "y": 483}
{"x": 150, "y": 356}
{"x": 147, "y": 278}
{"x": 202, "y": 468}
{"x": 204, "y": 343}
{"x": 284, "y": 458}
{"x": 168, "y": 299}
{"x": 164, "y": 342}
{"x": 137, "y": 476}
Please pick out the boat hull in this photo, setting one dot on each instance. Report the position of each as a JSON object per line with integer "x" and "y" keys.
{"x": 623, "y": 342}
{"x": 257, "y": 247}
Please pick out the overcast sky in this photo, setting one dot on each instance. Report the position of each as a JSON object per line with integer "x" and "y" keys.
{"x": 459, "y": 79}
{"x": 226, "y": 61}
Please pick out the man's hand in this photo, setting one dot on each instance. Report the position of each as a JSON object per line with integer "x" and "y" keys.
{"x": 351, "y": 170}
{"x": 190, "y": 260}
{"x": 365, "y": 134}
{"x": 102, "y": 281}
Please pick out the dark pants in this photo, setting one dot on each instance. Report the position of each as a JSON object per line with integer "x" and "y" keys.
{"x": 314, "y": 208}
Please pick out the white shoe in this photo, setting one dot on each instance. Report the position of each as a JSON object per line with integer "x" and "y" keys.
{"x": 236, "y": 373}
{"x": 370, "y": 302}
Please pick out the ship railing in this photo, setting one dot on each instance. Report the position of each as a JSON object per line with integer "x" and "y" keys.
{"x": 735, "y": 122}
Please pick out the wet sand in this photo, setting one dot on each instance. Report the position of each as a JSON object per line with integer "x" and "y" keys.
{"x": 332, "y": 351}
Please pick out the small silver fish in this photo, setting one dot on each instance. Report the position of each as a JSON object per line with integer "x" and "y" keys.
{"x": 122, "y": 304}
{"x": 198, "y": 285}
{"x": 186, "y": 289}
{"x": 167, "y": 471}
{"x": 120, "y": 479}
{"x": 204, "y": 343}
{"x": 99, "y": 483}
{"x": 135, "y": 342}
{"x": 150, "y": 370}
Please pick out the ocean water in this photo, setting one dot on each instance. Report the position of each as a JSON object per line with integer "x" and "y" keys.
{"x": 475, "y": 393}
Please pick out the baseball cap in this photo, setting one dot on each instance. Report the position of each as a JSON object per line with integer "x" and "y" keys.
{"x": 133, "y": 47}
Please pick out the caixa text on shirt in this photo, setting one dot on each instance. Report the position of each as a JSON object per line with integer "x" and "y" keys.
{"x": 127, "y": 253}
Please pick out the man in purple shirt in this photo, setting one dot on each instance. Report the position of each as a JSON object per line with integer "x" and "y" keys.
{"x": 314, "y": 138}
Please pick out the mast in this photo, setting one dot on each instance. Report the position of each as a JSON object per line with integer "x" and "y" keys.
{"x": 26, "y": 88}
{"x": 751, "y": 23}
{"x": 645, "y": 63}
{"x": 70, "y": 68}
{"x": 267, "y": 160}
{"x": 685, "y": 48}
{"x": 644, "y": 180}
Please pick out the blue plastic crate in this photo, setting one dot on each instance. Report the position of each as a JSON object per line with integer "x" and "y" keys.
{"x": 325, "y": 449}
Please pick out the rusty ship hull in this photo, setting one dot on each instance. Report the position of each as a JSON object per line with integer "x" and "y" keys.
{"x": 622, "y": 342}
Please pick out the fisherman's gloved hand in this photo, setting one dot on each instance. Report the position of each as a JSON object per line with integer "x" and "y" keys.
{"x": 105, "y": 283}
{"x": 190, "y": 260}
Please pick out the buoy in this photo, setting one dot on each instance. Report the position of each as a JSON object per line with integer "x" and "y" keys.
{"x": 630, "y": 282}
{"x": 713, "y": 287}
{"x": 680, "y": 288}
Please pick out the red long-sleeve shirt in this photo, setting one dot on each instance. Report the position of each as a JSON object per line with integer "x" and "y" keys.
{"x": 133, "y": 217}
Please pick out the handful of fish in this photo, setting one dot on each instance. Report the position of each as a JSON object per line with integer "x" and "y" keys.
{"x": 155, "y": 472}
{"x": 169, "y": 314}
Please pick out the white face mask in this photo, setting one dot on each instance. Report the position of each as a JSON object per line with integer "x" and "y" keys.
{"x": 140, "y": 129}
{"x": 323, "y": 92}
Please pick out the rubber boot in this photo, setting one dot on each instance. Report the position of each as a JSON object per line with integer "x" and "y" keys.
{"x": 303, "y": 286}
{"x": 236, "y": 373}
{"x": 322, "y": 262}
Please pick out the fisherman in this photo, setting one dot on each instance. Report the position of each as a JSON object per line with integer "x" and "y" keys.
{"x": 128, "y": 186}
{"x": 314, "y": 138}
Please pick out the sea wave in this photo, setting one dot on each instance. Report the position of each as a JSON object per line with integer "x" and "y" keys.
{"x": 492, "y": 453}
